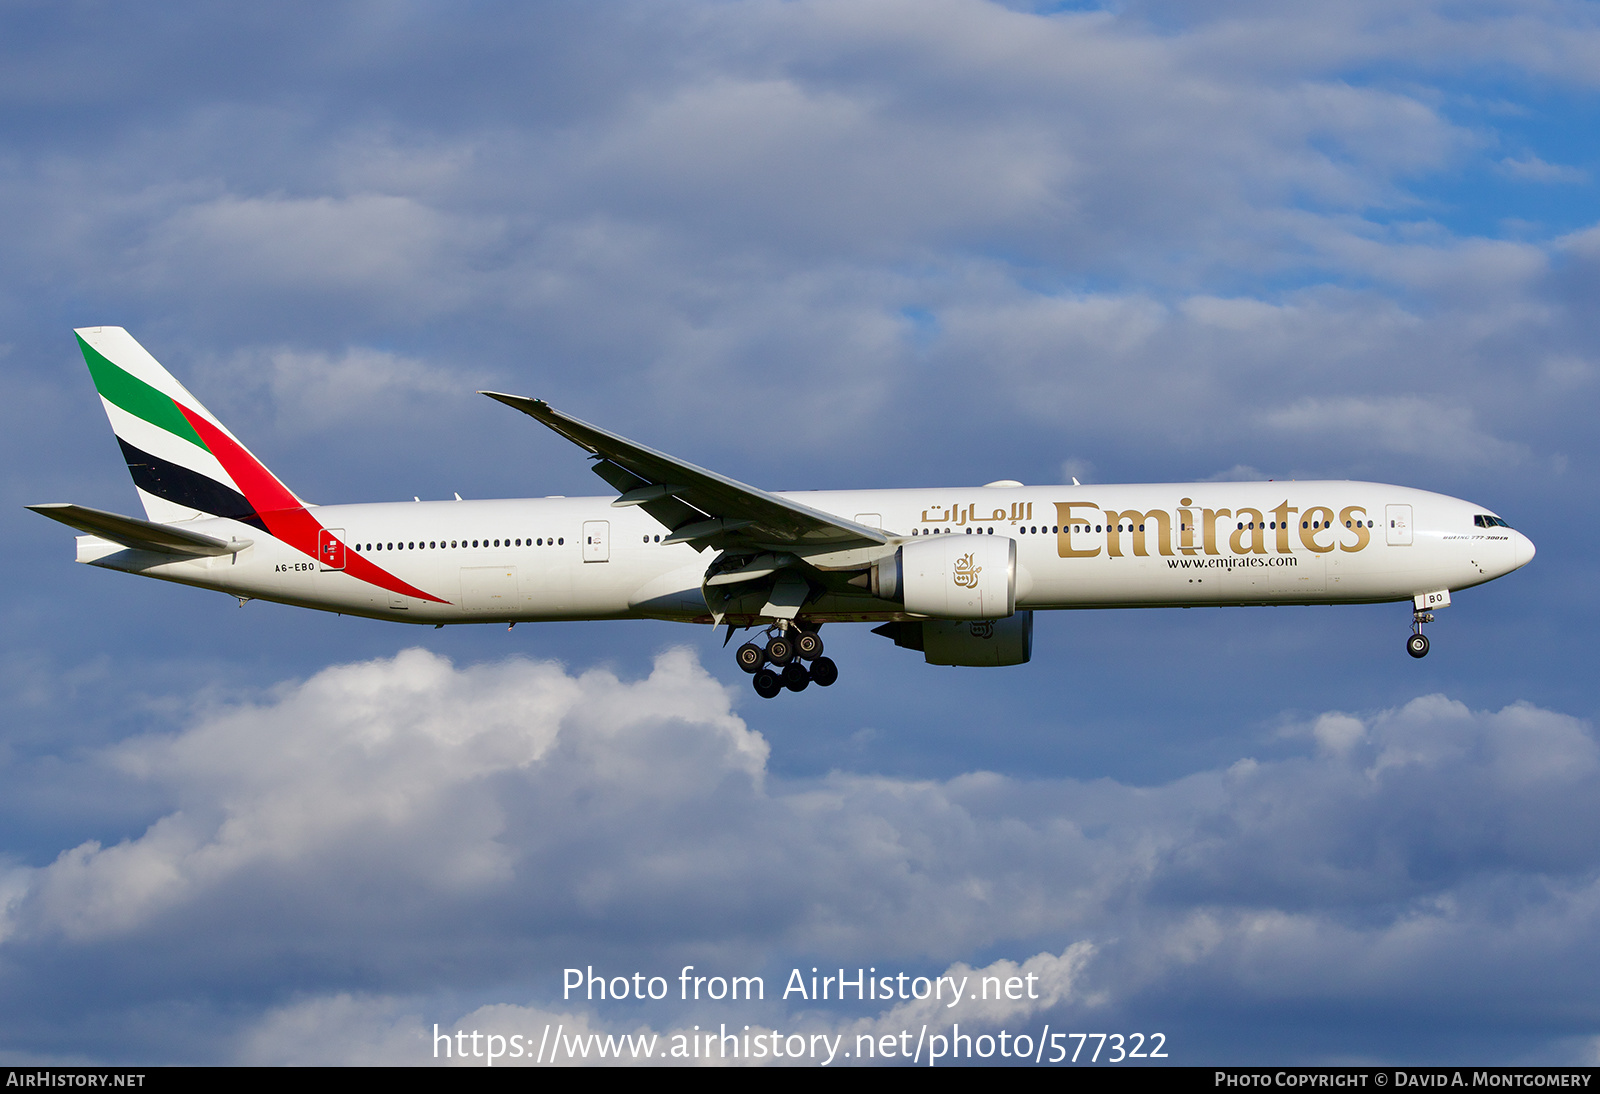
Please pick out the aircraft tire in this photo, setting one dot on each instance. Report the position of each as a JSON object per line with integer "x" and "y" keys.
{"x": 824, "y": 672}
{"x": 750, "y": 657}
{"x": 1417, "y": 645}
{"x": 795, "y": 677}
{"x": 767, "y": 684}
{"x": 780, "y": 651}
{"x": 808, "y": 645}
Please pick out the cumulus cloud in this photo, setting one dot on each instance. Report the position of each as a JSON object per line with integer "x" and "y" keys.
{"x": 1056, "y": 190}
{"x": 313, "y": 392}
{"x": 461, "y": 830}
{"x": 389, "y": 248}
{"x": 949, "y": 1003}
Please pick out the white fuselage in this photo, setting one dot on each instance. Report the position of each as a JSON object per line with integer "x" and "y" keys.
{"x": 1154, "y": 545}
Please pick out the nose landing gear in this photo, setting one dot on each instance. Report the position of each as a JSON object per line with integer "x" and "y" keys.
{"x": 791, "y": 659}
{"x": 1417, "y": 644}
{"x": 1422, "y": 606}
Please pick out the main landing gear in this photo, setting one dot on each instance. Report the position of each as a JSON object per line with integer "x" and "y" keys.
{"x": 1417, "y": 644}
{"x": 792, "y": 659}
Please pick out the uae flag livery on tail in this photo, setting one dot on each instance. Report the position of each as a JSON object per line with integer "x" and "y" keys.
{"x": 187, "y": 465}
{"x": 179, "y": 476}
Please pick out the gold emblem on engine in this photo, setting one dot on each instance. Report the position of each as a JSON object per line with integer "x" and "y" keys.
{"x": 965, "y": 573}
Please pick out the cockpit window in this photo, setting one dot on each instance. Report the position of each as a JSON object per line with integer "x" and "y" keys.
{"x": 1484, "y": 520}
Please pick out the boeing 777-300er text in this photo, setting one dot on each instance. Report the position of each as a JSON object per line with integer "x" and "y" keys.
{"x": 955, "y": 573}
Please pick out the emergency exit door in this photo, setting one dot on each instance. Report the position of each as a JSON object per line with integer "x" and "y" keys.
{"x": 596, "y": 541}
{"x": 330, "y": 548}
{"x": 1398, "y": 518}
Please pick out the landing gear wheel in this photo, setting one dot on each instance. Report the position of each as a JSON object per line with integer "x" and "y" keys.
{"x": 767, "y": 684}
{"x": 795, "y": 677}
{"x": 750, "y": 657}
{"x": 824, "y": 672}
{"x": 1417, "y": 645}
{"x": 808, "y": 645}
{"x": 780, "y": 651}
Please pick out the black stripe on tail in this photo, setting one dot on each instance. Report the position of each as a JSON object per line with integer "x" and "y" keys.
{"x": 190, "y": 489}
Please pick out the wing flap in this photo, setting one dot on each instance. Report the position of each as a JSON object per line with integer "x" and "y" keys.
{"x": 730, "y": 513}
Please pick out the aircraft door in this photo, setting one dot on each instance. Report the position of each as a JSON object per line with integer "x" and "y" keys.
{"x": 596, "y": 541}
{"x": 330, "y": 548}
{"x": 1398, "y": 518}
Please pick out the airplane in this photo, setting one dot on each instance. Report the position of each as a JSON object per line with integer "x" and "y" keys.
{"x": 954, "y": 573}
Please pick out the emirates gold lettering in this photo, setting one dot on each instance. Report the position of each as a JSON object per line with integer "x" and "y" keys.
{"x": 1175, "y": 533}
{"x": 1313, "y": 522}
{"x": 1282, "y": 513}
{"x": 1136, "y": 525}
{"x": 1064, "y": 547}
{"x": 1208, "y": 527}
{"x": 1354, "y": 514}
{"x": 1252, "y": 528}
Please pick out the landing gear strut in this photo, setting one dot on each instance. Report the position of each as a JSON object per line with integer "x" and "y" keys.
{"x": 1417, "y": 644}
{"x": 792, "y": 658}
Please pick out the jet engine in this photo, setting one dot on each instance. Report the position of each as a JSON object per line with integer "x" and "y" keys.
{"x": 983, "y": 643}
{"x": 952, "y": 577}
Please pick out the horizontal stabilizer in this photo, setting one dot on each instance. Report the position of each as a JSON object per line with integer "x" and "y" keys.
{"x": 141, "y": 535}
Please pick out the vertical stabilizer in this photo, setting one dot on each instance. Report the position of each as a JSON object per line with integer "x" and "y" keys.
{"x": 184, "y": 462}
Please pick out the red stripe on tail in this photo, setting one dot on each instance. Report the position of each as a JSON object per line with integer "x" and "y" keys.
{"x": 286, "y": 519}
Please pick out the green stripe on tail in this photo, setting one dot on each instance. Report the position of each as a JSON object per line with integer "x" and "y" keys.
{"x": 137, "y": 397}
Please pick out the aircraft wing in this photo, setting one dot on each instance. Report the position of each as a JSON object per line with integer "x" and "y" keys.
{"x": 700, "y": 507}
{"x": 141, "y": 535}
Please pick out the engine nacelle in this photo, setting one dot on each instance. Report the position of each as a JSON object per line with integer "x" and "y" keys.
{"x": 983, "y": 643}
{"x": 952, "y": 577}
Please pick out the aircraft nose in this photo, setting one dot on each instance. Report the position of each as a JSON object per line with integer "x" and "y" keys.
{"x": 1522, "y": 551}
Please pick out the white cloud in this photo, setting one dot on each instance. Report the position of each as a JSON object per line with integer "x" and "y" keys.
{"x": 371, "y": 244}
{"x": 1239, "y": 472}
{"x": 1408, "y": 425}
{"x": 1534, "y": 169}
{"x": 345, "y": 1030}
{"x": 511, "y": 819}
{"x": 314, "y": 392}
{"x": 753, "y": 220}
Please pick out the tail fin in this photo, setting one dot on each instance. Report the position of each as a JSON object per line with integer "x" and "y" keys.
{"x": 184, "y": 462}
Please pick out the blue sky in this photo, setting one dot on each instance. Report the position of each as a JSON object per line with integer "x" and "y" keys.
{"x": 784, "y": 240}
